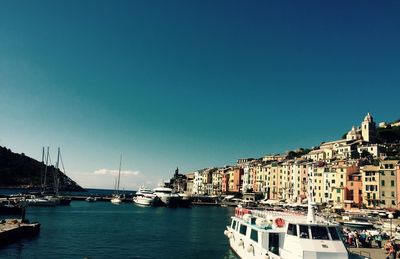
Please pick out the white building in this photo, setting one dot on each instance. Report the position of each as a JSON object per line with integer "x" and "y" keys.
{"x": 197, "y": 183}
{"x": 376, "y": 150}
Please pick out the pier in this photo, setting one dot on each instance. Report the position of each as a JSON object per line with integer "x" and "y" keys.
{"x": 12, "y": 230}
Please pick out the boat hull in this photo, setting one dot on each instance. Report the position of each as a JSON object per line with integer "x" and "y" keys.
{"x": 144, "y": 201}
{"x": 358, "y": 225}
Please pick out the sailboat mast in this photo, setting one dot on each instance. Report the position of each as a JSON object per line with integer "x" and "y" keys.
{"x": 45, "y": 171}
{"x": 119, "y": 173}
{"x": 56, "y": 173}
{"x": 41, "y": 172}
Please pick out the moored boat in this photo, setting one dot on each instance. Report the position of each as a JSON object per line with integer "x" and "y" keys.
{"x": 116, "y": 198}
{"x": 91, "y": 199}
{"x": 167, "y": 196}
{"x": 43, "y": 201}
{"x": 145, "y": 197}
{"x": 7, "y": 207}
{"x": 358, "y": 224}
{"x": 285, "y": 235}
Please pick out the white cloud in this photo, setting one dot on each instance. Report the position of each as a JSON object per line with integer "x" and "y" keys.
{"x": 113, "y": 172}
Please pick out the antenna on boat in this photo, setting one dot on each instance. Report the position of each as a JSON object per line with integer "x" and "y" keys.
{"x": 310, "y": 210}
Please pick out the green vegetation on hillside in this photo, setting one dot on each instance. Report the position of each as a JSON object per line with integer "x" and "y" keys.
{"x": 18, "y": 170}
{"x": 297, "y": 153}
{"x": 388, "y": 135}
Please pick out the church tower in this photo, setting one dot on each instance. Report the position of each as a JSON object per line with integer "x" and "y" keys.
{"x": 368, "y": 129}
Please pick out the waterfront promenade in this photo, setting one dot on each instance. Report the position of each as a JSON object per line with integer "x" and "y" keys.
{"x": 374, "y": 252}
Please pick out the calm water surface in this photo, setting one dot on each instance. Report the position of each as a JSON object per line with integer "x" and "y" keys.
{"x": 104, "y": 230}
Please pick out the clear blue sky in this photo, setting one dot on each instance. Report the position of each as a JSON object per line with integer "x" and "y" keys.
{"x": 190, "y": 83}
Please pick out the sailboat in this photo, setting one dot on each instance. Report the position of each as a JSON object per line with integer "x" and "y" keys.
{"x": 116, "y": 198}
{"x": 43, "y": 200}
{"x": 52, "y": 198}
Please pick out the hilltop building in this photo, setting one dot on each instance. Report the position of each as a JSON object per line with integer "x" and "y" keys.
{"x": 178, "y": 182}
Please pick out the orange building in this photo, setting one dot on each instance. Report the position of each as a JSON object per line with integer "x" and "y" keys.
{"x": 225, "y": 183}
{"x": 237, "y": 181}
{"x": 353, "y": 191}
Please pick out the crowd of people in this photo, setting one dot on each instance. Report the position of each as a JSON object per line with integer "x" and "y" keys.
{"x": 366, "y": 239}
{"x": 362, "y": 238}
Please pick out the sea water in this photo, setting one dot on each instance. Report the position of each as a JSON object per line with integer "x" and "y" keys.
{"x": 104, "y": 230}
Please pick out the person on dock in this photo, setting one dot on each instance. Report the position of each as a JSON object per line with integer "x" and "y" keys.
{"x": 391, "y": 253}
{"x": 357, "y": 239}
{"x": 378, "y": 239}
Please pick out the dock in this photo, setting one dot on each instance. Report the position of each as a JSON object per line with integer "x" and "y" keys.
{"x": 374, "y": 252}
{"x": 12, "y": 230}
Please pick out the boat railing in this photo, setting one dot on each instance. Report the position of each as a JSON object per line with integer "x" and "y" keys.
{"x": 268, "y": 213}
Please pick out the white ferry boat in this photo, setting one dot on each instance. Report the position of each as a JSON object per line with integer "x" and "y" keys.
{"x": 145, "y": 197}
{"x": 284, "y": 235}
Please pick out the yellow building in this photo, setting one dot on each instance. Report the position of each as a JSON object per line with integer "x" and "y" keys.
{"x": 370, "y": 192}
{"x": 338, "y": 185}
{"x": 388, "y": 184}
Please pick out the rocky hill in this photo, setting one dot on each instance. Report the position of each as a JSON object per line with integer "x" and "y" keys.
{"x": 20, "y": 171}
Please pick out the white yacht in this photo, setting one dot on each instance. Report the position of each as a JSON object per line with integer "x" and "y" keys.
{"x": 167, "y": 196}
{"x": 46, "y": 201}
{"x": 145, "y": 196}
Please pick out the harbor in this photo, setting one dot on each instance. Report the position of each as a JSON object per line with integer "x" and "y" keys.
{"x": 132, "y": 231}
{"x": 380, "y": 220}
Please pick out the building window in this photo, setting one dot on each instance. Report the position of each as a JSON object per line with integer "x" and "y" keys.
{"x": 392, "y": 183}
{"x": 383, "y": 194}
{"x": 393, "y": 202}
{"x": 383, "y": 182}
{"x": 392, "y": 194}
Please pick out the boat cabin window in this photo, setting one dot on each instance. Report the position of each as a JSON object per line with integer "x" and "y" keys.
{"x": 254, "y": 235}
{"x": 292, "y": 230}
{"x": 304, "y": 231}
{"x": 334, "y": 233}
{"x": 273, "y": 243}
{"x": 243, "y": 229}
{"x": 320, "y": 233}
{"x": 233, "y": 224}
